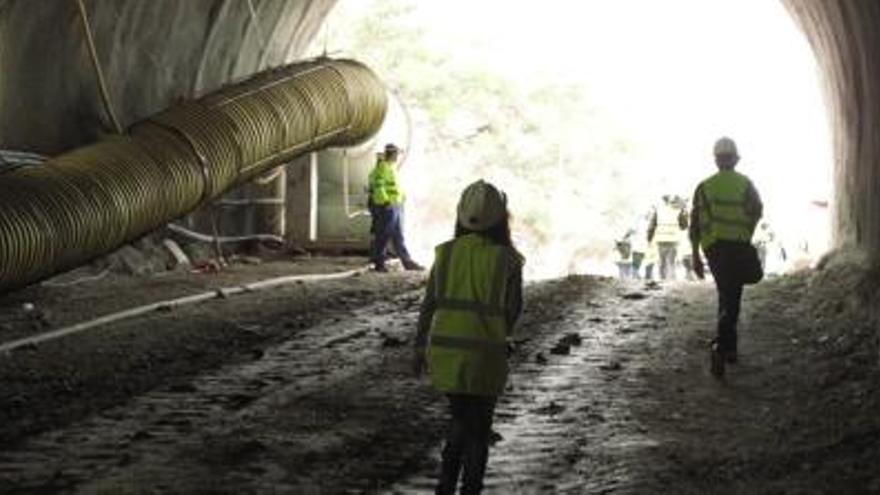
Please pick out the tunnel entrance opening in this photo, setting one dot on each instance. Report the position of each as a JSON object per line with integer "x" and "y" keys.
{"x": 587, "y": 113}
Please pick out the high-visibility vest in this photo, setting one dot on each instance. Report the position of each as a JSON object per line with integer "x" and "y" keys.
{"x": 384, "y": 189}
{"x": 668, "y": 227}
{"x": 722, "y": 202}
{"x": 467, "y": 344}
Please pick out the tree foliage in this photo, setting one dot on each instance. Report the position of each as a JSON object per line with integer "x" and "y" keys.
{"x": 561, "y": 161}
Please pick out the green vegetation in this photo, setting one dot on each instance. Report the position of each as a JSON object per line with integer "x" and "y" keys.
{"x": 562, "y": 162}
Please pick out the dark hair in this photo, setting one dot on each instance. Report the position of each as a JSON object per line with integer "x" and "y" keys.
{"x": 498, "y": 233}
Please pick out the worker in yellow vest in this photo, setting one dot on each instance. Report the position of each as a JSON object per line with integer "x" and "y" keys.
{"x": 687, "y": 258}
{"x": 652, "y": 258}
{"x": 386, "y": 206}
{"x": 667, "y": 223}
{"x": 472, "y": 301}
{"x": 726, "y": 209}
{"x": 644, "y": 252}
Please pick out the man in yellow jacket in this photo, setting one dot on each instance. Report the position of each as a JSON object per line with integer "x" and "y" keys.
{"x": 726, "y": 209}
{"x": 386, "y": 206}
{"x": 668, "y": 222}
{"x": 472, "y": 301}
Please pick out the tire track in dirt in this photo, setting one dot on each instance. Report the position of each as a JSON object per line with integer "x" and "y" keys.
{"x": 335, "y": 409}
{"x": 153, "y": 428}
{"x": 565, "y": 424}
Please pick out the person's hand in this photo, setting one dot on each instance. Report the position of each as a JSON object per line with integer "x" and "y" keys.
{"x": 419, "y": 363}
{"x": 699, "y": 271}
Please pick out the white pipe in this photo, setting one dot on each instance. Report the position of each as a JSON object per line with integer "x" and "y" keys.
{"x": 11, "y": 160}
{"x": 250, "y": 202}
{"x": 96, "y": 64}
{"x": 345, "y": 190}
{"x": 256, "y": 21}
{"x": 313, "y": 197}
{"x": 173, "y": 303}
{"x": 222, "y": 239}
{"x": 267, "y": 178}
{"x": 22, "y": 157}
{"x": 90, "y": 278}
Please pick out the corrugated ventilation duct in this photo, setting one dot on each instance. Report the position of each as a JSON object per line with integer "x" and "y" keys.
{"x": 90, "y": 201}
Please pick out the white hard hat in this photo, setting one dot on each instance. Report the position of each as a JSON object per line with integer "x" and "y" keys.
{"x": 725, "y": 146}
{"x": 481, "y": 206}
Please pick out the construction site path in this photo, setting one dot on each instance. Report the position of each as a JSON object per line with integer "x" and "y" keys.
{"x": 308, "y": 389}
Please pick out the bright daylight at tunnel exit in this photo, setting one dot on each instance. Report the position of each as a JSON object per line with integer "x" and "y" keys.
{"x": 399, "y": 246}
{"x": 587, "y": 115}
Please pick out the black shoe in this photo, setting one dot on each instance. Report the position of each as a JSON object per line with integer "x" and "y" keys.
{"x": 716, "y": 359}
{"x": 412, "y": 266}
{"x": 380, "y": 268}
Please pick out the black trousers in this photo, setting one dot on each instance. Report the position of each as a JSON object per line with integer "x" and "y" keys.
{"x": 466, "y": 450}
{"x": 724, "y": 263}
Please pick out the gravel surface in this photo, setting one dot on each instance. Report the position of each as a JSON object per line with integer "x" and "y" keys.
{"x": 307, "y": 389}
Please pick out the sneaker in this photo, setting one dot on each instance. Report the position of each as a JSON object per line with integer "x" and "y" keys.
{"x": 716, "y": 361}
{"x": 412, "y": 266}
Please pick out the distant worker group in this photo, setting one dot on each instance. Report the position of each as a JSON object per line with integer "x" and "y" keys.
{"x": 655, "y": 243}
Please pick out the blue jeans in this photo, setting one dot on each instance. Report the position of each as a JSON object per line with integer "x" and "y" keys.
{"x": 387, "y": 225}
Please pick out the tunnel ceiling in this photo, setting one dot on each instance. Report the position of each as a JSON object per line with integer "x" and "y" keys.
{"x": 154, "y": 52}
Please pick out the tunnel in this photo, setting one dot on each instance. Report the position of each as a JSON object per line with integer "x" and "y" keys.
{"x": 189, "y": 301}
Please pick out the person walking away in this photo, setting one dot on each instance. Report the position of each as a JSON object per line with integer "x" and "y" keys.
{"x": 652, "y": 258}
{"x": 726, "y": 209}
{"x": 623, "y": 247}
{"x": 641, "y": 248}
{"x": 666, "y": 225}
{"x": 472, "y": 301}
{"x": 386, "y": 204}
{"x": 687, "y": 258}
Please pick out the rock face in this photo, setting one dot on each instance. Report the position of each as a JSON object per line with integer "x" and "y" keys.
{"x": 846, "y": 40}
{"x": 151, "y": 53}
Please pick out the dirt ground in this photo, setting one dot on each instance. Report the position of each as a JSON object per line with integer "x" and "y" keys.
{"x": 306, "y": 388}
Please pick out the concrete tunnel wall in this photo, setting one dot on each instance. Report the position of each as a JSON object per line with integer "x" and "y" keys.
{"x": 154, "y": 52}
{"x": 845, "y": 35}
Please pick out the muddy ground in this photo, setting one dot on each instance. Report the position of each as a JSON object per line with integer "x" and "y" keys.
{"x": 307, "y": 388}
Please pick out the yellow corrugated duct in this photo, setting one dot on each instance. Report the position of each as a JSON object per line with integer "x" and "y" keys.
{"x": 90, "y": 201}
